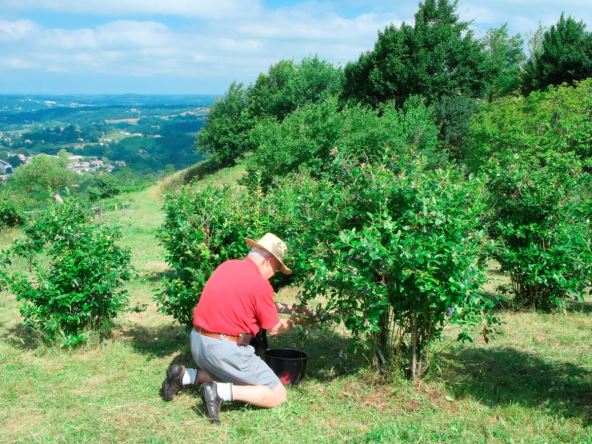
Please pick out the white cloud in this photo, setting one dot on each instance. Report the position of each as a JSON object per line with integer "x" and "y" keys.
{"x": 523, "y": 16}
{"x": 309, "y": 27}
{"x": 134, "y": 34}
{"x": 221, "y": 40}
{"x": 186, "y": 8}
{"x": 15, "y": 30}
{"x": 238, "y": 49}
{"x": 16, "y": 63}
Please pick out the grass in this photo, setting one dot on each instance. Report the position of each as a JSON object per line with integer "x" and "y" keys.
{"x": 532, "y": 383}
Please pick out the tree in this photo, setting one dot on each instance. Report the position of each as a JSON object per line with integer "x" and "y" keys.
{"x": 268, "y": 93}
{"x": 564, "y": 55}
{"x": 225, "y": 134}
{"x": 289, "y": 85}
{"x": 284, "y": 88}
{"x": 14, "y": 160}
{"x": 437, "y": 56}
{"x": 43, "y": 173}
{"x": 453, "y": 116}
{"x": 506, "y": 57}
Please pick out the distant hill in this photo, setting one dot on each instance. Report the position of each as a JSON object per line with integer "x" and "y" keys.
{"x": 148, "y": 132}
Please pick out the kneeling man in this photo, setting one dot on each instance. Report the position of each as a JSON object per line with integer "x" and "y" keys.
{"x": 236, "y": 302}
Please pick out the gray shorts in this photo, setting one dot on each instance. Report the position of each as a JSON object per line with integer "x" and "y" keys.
{"x": 227, "y": 362}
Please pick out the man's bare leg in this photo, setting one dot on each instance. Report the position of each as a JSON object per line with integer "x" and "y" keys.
{"x": 260, "y": 395}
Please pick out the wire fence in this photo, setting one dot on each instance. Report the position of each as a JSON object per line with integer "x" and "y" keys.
{"x": 100, "y": 209}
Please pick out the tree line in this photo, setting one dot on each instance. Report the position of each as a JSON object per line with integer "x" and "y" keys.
{"x": 438, "y": 58}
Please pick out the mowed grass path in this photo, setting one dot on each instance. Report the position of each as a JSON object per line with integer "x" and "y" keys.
{"x": 532, "y": 383}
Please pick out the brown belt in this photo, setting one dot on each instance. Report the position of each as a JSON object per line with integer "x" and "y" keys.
{"x": 210, "y": 334}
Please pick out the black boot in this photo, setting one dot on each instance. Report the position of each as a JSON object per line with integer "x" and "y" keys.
{"x": 212, "y": 402}
{"x": 173, "y": 382}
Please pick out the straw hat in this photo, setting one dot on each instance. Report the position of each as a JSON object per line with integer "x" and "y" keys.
{"x": 275, "y": 246}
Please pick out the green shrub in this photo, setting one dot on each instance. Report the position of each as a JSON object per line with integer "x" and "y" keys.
{"x": 10, "y": 213}
{"x": 202, "y": 229}
{"x": 392, "y": 241}
{"x": 314, "y": 135}
{"x": 405, "y": 259}
{"x": 101, "y": 186}
{"x": 541, "y": 212}
{"x": 537, "y": 152}
{"x": 77, "y": 271}
{"x": 557, "y": 120}
{"x": 394, "y": 250}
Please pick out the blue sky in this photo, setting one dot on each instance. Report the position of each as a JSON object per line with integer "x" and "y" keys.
{"x": 199, "y": 47}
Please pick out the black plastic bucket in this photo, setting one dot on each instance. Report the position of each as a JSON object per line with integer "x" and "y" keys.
{"x": 288, "y": 364}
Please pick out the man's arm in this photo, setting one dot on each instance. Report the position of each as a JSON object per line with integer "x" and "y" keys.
{"x": 283, "y": 326}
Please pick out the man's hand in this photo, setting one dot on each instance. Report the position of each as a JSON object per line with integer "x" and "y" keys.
{"x": 292, "y": 309}
{"x": 302, "y": 310}
{"x": 304, "y": 319}
{"x": 283, "y": 326}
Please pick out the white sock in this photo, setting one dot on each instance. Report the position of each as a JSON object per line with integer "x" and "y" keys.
{"x": 189, "y": 376}
{"x": 224, "y": 390}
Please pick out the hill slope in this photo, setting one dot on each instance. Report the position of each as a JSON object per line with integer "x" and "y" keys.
{"x": 532, "y": 382}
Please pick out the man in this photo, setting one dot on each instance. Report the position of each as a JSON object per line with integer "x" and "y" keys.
{"x": 236, "y": 302}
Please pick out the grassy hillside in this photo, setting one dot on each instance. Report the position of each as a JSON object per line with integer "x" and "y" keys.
{"x": 531, "y": 383}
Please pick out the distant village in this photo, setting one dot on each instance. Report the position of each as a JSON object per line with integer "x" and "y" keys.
{"x": 76, "y": 163}
{"x": 82, "y": 164}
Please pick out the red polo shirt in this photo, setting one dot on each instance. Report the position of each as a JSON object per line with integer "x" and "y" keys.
{"x": 236, "y": 299}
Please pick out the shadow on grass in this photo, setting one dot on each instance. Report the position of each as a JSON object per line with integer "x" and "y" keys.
{"x": 23, "y": 338}
{"x": 500, "y": 301}
{"x": 580, "y": 307}
{"x": 505, "y": 376}
{"x": 504, "y": 302}
{"x": 157, "y": 276}
{"x": 200, "y": 170}
{"x": 157, "y": 341}
{"x": 329, "y": 353}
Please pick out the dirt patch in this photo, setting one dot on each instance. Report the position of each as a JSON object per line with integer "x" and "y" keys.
{"x": 20, "y": 424}
{"x": 411, "y": 406}
{"x": 376, "y": 396}
{"x": 380, "y": 400}
{"x": 437, "y": 397}
{"x": 155, "y": 267}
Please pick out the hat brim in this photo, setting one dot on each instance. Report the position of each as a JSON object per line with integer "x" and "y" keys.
{"x": 251, "y": 243}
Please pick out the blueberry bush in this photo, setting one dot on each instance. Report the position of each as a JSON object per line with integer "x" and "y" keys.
{"x": 77, "y": 272}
